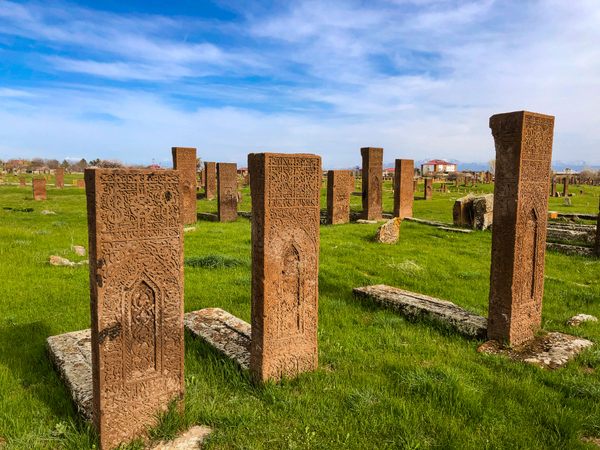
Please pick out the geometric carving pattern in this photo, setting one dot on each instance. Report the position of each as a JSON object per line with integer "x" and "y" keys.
{"x": 285, "y": 263}
{"x": 210, "y": 180}
{"x": 372, "y": 182}
{"x": 340, "y": 184}
{"x": 184, "y": 161}
{"x": 227, "y": 191}
{"x": 136, "y": 287}
{"x": 523, "y": 143}
{"x": 403, "y": 188}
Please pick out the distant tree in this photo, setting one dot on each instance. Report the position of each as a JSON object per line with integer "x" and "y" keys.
{"x": 79, "y": 166}
{"x": 199, "y": 165}
{"x": 52, "y": 163}
{"x": 95, "y": 162}
{"x": 108, "y": 164}
{"x": 65, "y": 164}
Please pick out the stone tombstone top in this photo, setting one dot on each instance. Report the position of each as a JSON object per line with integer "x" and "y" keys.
{"x": 210, "y": 180}
{"x": 428, "y": 190}
{"x": 372, "y": 182}
{"x": 39, "y": 189}
{"x": 184, "y": 161}
{"x": 340, "y": 185}
{"x": 285, "y": 191}
{"x": 136, "y": 290}
{"x": 227, "y": 191}
{"x": 403, "y": 188}
{"x": 523, "y": 143}
{"x": 59, "y": 177}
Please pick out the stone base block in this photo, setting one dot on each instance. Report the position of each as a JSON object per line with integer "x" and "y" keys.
{"x": 192, "y": 439}
{"x": 549, "y": 351}
{"x": 416, "y": 305}
{"x": 223, "y": 331}
{"x": 71, "y": 354}
{"x": 570, "y": 249}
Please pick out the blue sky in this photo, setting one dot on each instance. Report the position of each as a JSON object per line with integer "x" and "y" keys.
{"x": 130, "y": 79}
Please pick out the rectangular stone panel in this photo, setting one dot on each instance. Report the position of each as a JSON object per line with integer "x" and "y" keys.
{"x": 227, "y": 192}
{"x": 428, "y": 188}
{"x": 136, "y": 290}
{"x": 566, "y": 186}
{"x": 340, "y": 184}
{"x": 372, "y": 182}
{"x": 184, "y": 161}
{"x": 59, "y": 178}
{"x": 403, "y": 188}
{"x": 39, "y": 189}
{"x": 285, "y": 190}
{"x": 523, "y": 143}
{"x": 210, "y": 180}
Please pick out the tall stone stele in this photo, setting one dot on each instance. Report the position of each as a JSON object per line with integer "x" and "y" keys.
{"x": 523, "y": 155}
{"x": 136, "y": 289}
{"x": 210, "y": 180}
{"x": 552, "y": 187}
{"x": 285, "y": 190}
{"x": 565, "y": 186}
{"x": 403, "y": 188}
{"x": 39, "y": 188}
{"x": 428, "y": 188}
{"x": 372, "y": 182}
{"x": 227, "y": 191}
{"x": 184, "y": 161}
{"x": 59, "y": 177}
{"x": 597, "y": 247}
{"x": 340, "y": 184}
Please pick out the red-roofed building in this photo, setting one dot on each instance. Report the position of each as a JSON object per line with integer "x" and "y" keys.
{"x": 437, "y": 166}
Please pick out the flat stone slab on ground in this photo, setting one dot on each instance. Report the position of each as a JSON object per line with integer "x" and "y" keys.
{"x": 570, "y": 249}
{"x": 549, "y": 351}
{"x": 227, "y": 333}
{"x": 71, "y": 354}
{"x": 416, "y": 305}
{"x": 192, "y": 439}
{"x": 209, "y": 217}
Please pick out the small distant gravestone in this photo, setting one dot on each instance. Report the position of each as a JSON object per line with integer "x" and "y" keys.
{"x": 428, "y": 192}
{"x": 39, "y": 189}
{"x": 136, "y": 288}
{"x": 227, "y": 191}
{"x": 21, "y": 181}
{"x": 285, "y": 263}
{"x": 565, "y": 186}
{"x": 80, "y": 183}
{"x": 523, "y": 156}
{"x": 372, "y": 183}
{"x": 403, "y": 188}
{"x": 59, "y": 177}
{"x": 210, "y": 180}
{"x": 553, "y": 191}
{"x": 340, "y": 184}
{"x": 184, "y": 161}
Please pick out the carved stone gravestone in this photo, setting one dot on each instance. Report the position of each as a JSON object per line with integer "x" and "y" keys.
{"x": 285, "y": 191}
{"x": 136, "y": 287}
{"x": 80, "y": 183}
{"x": 21, "y": 181}
{"x": 227, "y": 191}
{"x": 39, "y": 189}
{"x": 598, "y": 233}
{"x": 340, "y": 184}
{"x": 59, "y": 178}
{"x": 553, "y": 188}
{"x": 403, "y": 188}
{"x": 428, "y": 189}
{"x": 523, "y": 155}
{"x": 184, "y": 161}
{"x": 372, "y": 183}
{"x": 566, "y": 186}
{"x": 210, "y": 180}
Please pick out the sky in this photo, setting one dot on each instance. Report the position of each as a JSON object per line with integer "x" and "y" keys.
{"x": 128, "y": 80}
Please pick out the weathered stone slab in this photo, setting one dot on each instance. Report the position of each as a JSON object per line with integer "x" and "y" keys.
{"x": 570, "y": 249}
{"x": 440, "y": 225}
{"x": 184, "y": 161}
{"x": 71, "y": 354}
{"x": 225, "y": 332}
{"x": 285, "y": 263}
{"x": 421, "y": 306}
{"x": 523, "y": 143}
{"x": 227, "y": 197}
{"x": 578, "y": 319}
{"x": 403, "y": 188}
{"x": 577, "y": 215}
{"x": 136, "y": 289}
{"x": 59, "y": 178}
{"x": 428, "y": 189}
{"x": 372, "y": 182}
{"x": 462, "y": 211}
{"x": 389, "y": 232}
{"x": 210, "y": 180}
{"x": 340, "y": 184}
{"x": 39, "y": 189}
{"x": 192, "y": 439}
{"x": 585, "y": 235}
{"x": 549, "y": 351}
{"x": 483, "y": 210}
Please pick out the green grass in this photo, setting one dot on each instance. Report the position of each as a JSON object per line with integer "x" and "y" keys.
{"x": 383, "y": 381}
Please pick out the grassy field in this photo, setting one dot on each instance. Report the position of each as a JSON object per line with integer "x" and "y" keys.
{"x": 383, "y": 382}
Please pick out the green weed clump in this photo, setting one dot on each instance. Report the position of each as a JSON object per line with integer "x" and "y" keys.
{"x": 213, "y": 262}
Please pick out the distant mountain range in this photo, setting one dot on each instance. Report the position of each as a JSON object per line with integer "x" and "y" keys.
{"x": 557, "y": 166}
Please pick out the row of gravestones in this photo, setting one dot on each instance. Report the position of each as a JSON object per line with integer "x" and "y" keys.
{"x": 136, "y": 267}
